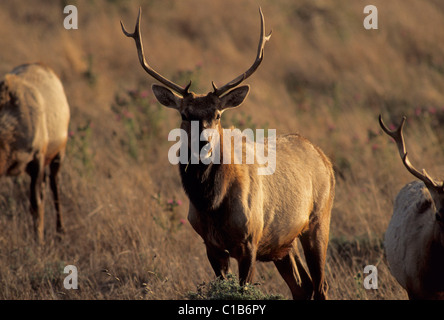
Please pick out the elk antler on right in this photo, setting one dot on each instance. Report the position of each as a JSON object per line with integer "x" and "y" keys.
{"x": 399, "y": 139}
{"x": 260, "y": 55}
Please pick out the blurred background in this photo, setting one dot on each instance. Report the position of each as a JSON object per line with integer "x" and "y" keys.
{"x": 324, "y": 76}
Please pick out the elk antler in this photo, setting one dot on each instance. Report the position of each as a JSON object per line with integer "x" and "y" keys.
{"x": 260, "y": 55}
{"x": 399, "y": 139}
{"x": 138, "y": 39}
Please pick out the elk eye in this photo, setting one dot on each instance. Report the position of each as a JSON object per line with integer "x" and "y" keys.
{"x": 218, "y": 116}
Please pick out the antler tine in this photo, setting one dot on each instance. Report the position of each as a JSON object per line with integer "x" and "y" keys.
{"x": 136, "y": 35}
{"x": 396, "y": 135}
{"x": 399, "y": 139}
{"x": 260, "y": 55}
{"x": 423, "y": 176}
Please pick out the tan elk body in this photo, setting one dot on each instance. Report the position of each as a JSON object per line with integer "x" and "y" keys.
{"x": 247, "y": 216}
{"x": 414, "y": 240}
{"x": 34, "y": 117}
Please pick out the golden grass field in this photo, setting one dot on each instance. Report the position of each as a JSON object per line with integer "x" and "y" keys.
{"x": 324, "y": 76}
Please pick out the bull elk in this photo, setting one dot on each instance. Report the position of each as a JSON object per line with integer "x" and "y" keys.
{"x": 34, "y": 117}
{"x": 243, "y": 215}
{"x": 414, "y": 240}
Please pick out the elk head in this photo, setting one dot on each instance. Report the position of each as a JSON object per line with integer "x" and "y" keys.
{"x": 435, "y": 187}
{"x": 206, "y": 109}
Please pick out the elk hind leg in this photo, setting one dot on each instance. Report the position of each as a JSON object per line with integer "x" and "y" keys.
{"x": 54, "y": 168}
{"x": 293, "y": 272}
{"x": 314, "y": 243}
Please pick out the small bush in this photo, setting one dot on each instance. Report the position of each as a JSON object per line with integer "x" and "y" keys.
{"x": 229, "y": 289}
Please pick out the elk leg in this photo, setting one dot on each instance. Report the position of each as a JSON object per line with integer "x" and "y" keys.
{"x": 293, "y": 272}
{"x": 247, "y": 265}
{"x": 54, "y": 168}
{"x": 220, "y": 262}
{"x": 315, "y": 243}
{"x": 36, "y": 170}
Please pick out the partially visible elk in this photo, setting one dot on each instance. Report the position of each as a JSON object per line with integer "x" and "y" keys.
{"x": 414, "y": 240}
{"x": 247, "y": 216}
{"x": 34, "y": 117}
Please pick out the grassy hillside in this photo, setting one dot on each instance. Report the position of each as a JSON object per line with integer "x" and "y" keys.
{"x": 323, "y": 75}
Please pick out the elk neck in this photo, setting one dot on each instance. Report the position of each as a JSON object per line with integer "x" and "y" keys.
{"x": 207, "y": 184}
{"x": 432, "y": 272}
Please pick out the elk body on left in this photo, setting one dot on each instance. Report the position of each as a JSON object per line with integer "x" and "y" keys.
{"x": 34, "y": 118}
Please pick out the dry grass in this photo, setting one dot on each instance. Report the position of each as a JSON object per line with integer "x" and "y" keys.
{"x": 324, "y": 76}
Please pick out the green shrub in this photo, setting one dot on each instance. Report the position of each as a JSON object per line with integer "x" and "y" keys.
{"x": 229, "y": 289}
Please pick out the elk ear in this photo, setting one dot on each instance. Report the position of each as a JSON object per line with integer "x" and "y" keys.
{"x": 234, "y": 97}
{"x": 166, "y": 97}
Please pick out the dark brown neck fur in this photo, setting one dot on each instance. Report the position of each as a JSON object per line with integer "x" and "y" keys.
{"x": 433, "y": 275}
{"x": 207, "y": 185}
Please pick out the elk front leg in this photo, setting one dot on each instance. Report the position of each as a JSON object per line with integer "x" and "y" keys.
{"x": 220, "y": 261}
{"x": 247, "y": 264}
{"x": 36, "y": 171}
